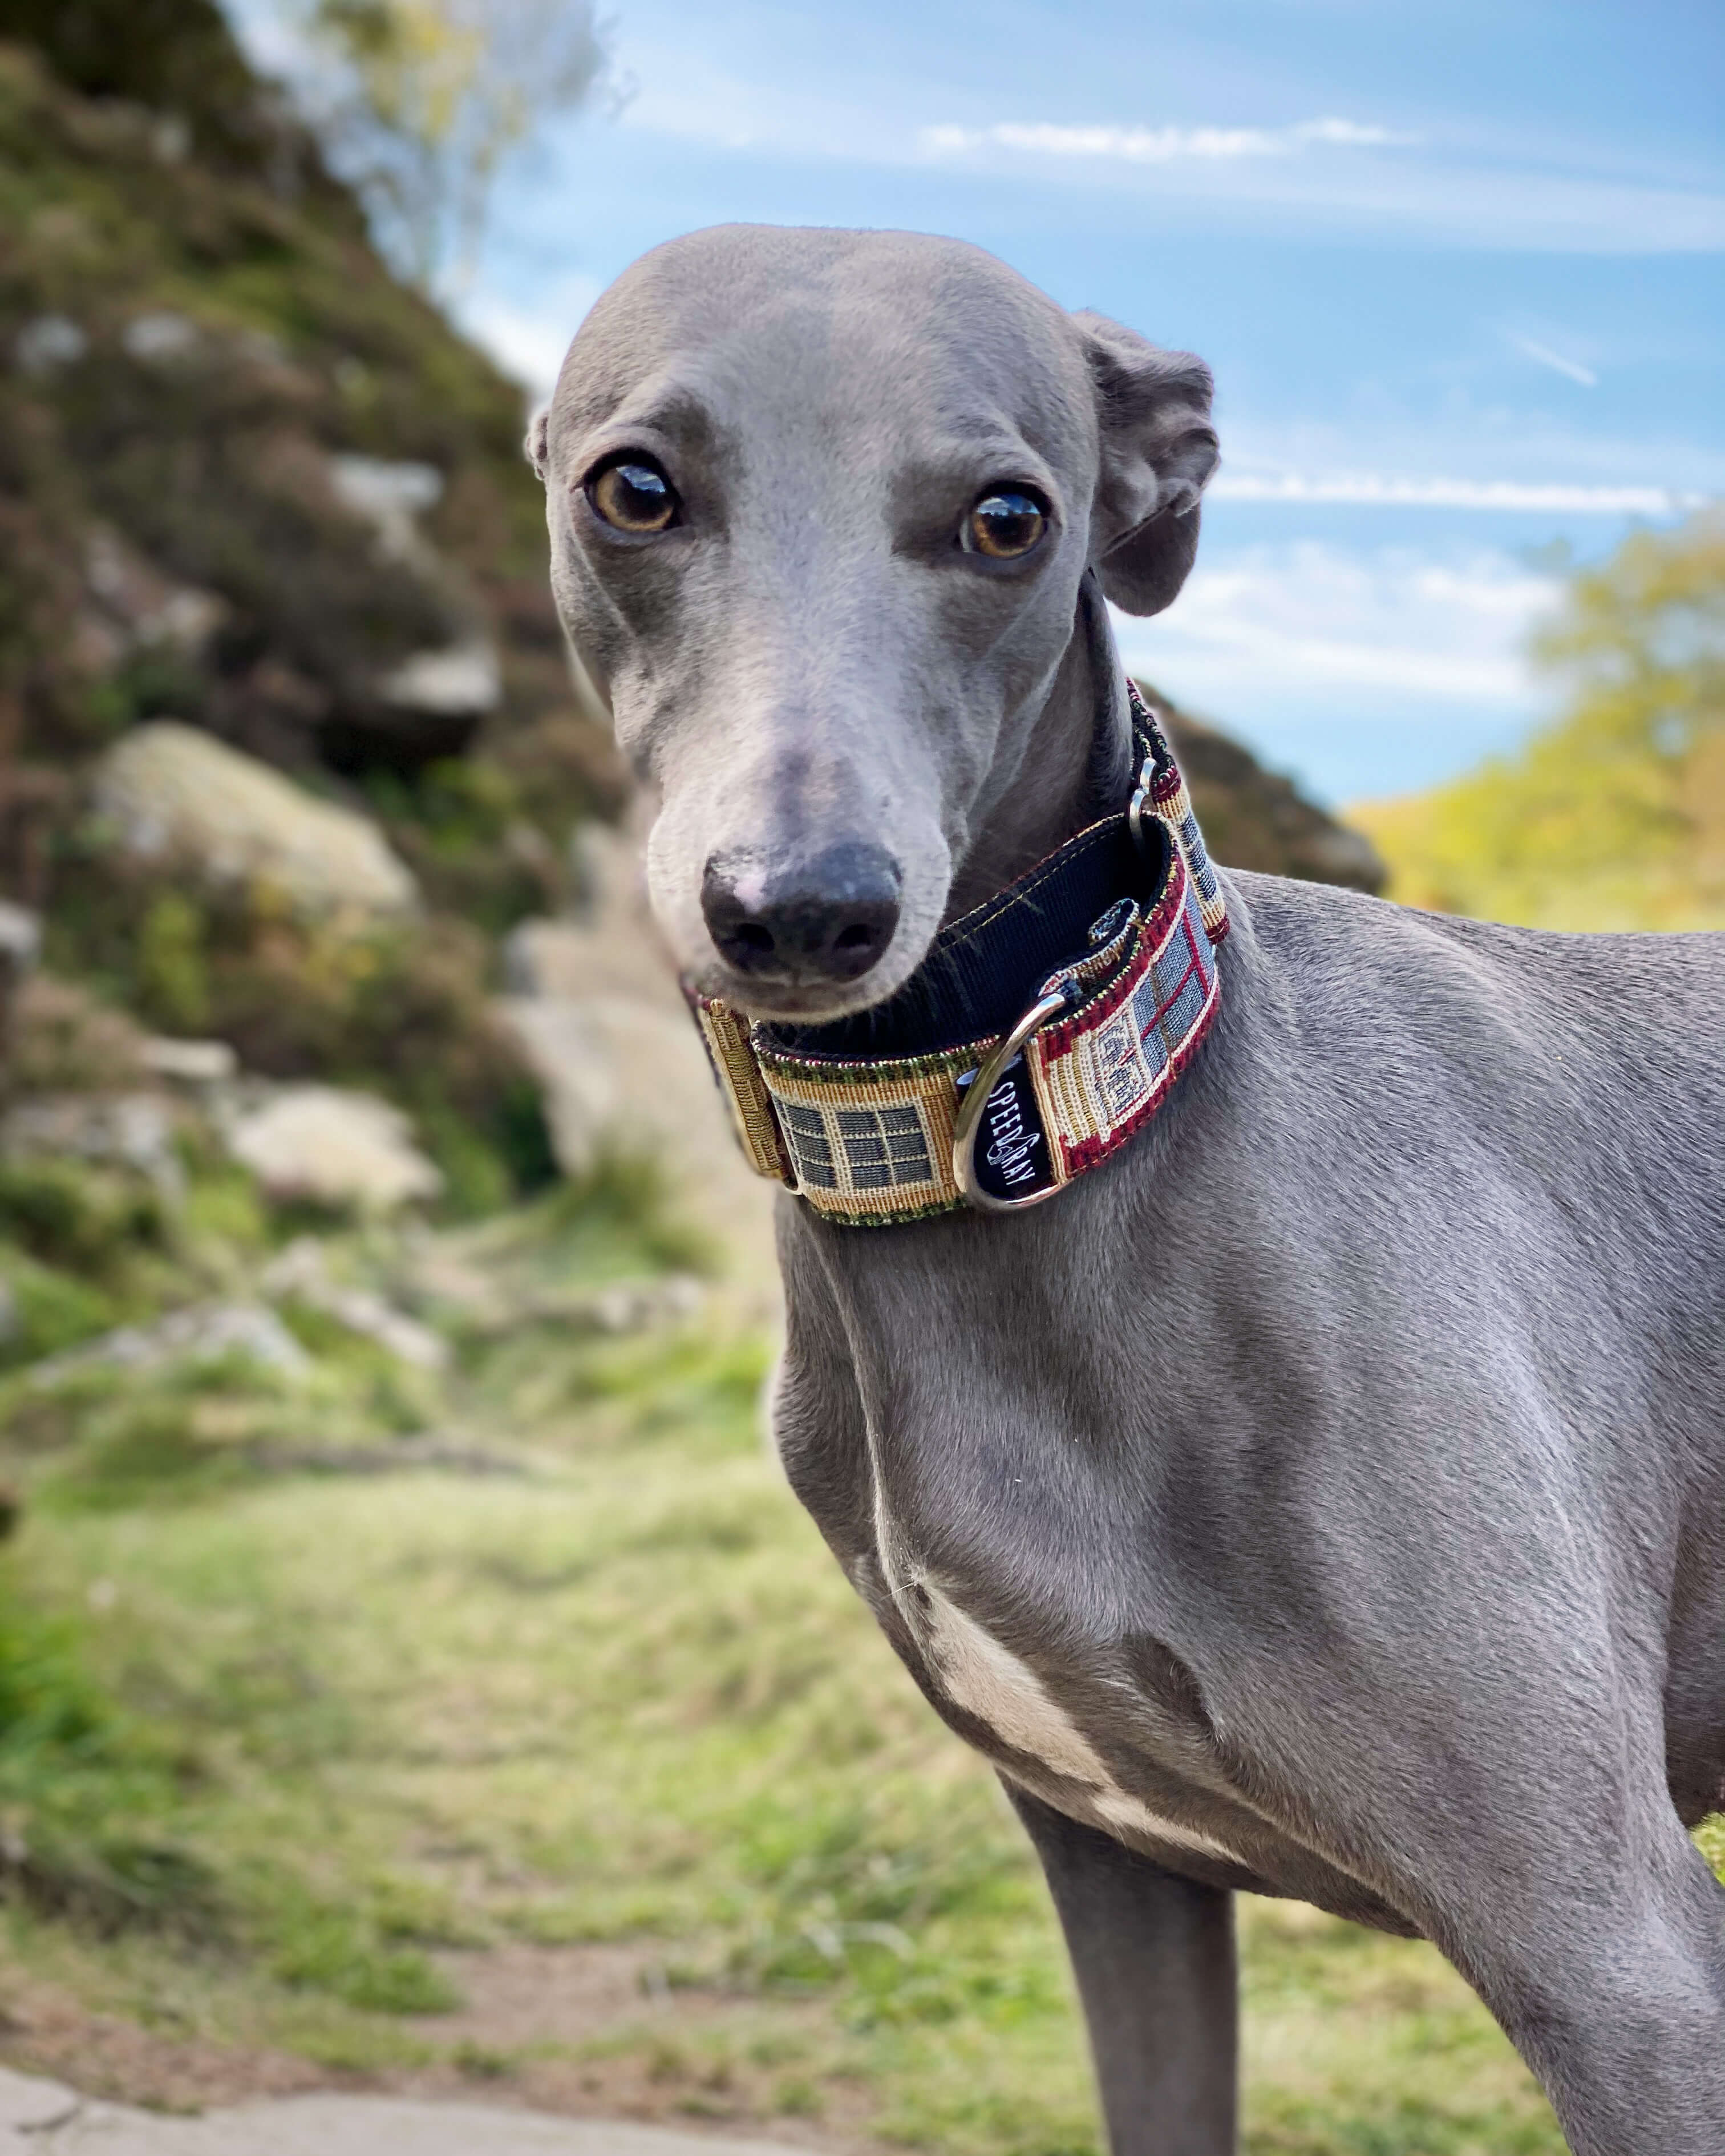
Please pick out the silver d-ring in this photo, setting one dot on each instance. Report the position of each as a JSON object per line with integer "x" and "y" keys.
{"x": 1135, "y": 811}
{"x": 970, "y": 1111}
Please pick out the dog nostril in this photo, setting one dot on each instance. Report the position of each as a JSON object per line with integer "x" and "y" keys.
{"x": 830, "y": 918}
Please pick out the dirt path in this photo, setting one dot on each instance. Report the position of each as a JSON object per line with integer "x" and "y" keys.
{"x": 45, "y": 2118}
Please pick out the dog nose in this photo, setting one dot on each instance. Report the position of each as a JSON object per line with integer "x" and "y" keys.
{"x": 828, "y": 918}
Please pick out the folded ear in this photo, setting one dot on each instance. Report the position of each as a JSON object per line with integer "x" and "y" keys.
{"x": 1158, "y": 450}
{"x": 535, "y": 446}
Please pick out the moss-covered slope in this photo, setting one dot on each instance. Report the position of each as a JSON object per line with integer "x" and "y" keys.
{"x": 194, "y": 335}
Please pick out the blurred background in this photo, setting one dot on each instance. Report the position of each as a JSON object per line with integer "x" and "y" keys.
{"x": 413, "y": 1674}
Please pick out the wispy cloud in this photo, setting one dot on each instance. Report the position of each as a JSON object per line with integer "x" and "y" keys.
{"x": 1330, "y": 173}
{"x": 1381, "y": 490}
{"x": 1541, "y": 355}
{"x": 1367, "y": 669}
{"x": 1156, "y": 145}
{"x": 1315, "y": 615}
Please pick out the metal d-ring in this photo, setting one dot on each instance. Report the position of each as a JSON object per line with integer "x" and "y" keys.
{"x": 1136, "y": 807}
{"x": 970, "y": 1111}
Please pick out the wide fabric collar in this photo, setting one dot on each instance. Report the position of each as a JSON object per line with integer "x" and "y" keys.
{"x": 1042, "y": 1031}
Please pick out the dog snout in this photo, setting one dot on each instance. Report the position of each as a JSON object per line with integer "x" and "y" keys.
{"x": 828, "y": 918}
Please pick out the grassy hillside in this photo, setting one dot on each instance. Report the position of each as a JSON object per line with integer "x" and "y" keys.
{"x": 1615, "y": 817}
{"x": 203, "y": 366}
{"x": 569, "y": 1768}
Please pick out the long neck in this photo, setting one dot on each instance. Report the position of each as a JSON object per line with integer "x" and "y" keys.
{"x": 1075, "y": 767}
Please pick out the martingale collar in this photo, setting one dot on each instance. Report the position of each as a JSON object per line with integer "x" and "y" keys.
{"x": 1043, "y": 1030}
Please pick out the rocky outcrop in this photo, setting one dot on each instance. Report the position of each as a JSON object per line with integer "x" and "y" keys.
{"x": 330, "y": 1148}
{"x": 303, "y": 525}
{"x": 1255, "y": 819}
{"x": 174, "y": 794}
{"x": 210, "y": 1333}
{"x": 596, "y": 1007}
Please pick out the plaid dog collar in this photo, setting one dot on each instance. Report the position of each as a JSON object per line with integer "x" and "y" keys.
{"x": 1042, "y": 1031}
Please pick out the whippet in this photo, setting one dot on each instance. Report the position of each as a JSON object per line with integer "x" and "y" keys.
{"x": 1323, "y": 1494}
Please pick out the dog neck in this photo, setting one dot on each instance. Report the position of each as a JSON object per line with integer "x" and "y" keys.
{"x": 1077, "y": 764}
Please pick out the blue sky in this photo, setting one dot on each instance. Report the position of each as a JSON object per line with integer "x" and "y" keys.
{"x": 1456, "y": 268}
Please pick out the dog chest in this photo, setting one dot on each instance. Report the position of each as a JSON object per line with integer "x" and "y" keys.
{"x": 982, "y": 1677}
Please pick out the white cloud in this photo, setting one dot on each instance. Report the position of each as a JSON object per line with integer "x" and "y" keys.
{"x": 1381, "y": 490}
{"x": 1388, "y": 634}
{"x": 1154, "y": 146}
{"x": 1239, "y": 176}
{"x": 1541, "y": 355}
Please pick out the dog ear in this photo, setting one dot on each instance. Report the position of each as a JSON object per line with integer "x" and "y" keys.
{"x": 536, "y": 445}
{"x": 1158, "y": 450}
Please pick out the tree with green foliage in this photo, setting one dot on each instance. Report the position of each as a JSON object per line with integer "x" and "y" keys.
{"x": 1614, "y": 818}
{"x": 425, "y": 99}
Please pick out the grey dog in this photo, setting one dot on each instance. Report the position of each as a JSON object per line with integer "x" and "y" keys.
{"x": 1326, "y": 1497}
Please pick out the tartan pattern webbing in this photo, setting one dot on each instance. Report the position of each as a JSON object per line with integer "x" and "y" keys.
{"x": 868, "y": 1140}
{"x": 1172, "y": 802}
{"x": 871, "y": 1143}
{"x": 739, "y": 1076}
{"x": 1101, "y": 1074}
{"x": 873, "y": 1146}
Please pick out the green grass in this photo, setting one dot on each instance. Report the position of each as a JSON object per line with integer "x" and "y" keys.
{"x": 632, "y": 1699}
{"x": 284, "y": 1756}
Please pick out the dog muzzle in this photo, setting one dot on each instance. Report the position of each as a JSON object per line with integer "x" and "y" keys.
{"x": 1043, "y": 1030}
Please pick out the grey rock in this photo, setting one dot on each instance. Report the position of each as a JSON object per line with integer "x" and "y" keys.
{"x": 609, "y": 945}
{"x": 20, "y": 938}
{"x": 171, "y": 138}
{"x": 597, "y": 1008}
{"x": 465, "y": 678}
{"x": 190, "y": 1062}
{"x": 173, "y": 794}
{"x": 200, "y": 1335}
{"x": 362, "y": 2126}
{"x": 28, "y": 2104}
{"x": 159, "y": 336}
{"x": 48, "y": 343}
{"x": 333, "y": 1147}
{"x": 302, "y": 1272}
{"x": 390, "y": 496}
{"x": 130, "y": 1130}
{"x": 139, "y": 604}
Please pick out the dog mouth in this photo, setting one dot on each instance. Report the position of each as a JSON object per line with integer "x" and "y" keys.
{"x": 792, "y": 1001}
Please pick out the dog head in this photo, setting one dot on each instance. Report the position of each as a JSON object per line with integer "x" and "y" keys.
{"x": 820, "y": 506}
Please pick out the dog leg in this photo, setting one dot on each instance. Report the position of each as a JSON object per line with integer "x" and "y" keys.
{"x": 1153, "y": 1955}
{"x": 1619, "y": 2009}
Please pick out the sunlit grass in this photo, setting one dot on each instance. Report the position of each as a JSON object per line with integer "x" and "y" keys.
{"x": 631, "y": 1698}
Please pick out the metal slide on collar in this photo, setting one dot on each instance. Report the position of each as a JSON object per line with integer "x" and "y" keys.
{"x": 1137, "y": 807}
{"x": 1049, "y": 1006}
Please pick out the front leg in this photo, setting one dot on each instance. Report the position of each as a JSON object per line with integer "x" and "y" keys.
{"x": 1153, "y": 1955}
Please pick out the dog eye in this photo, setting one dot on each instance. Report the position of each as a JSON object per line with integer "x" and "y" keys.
{"x": 632, "y": 496}
{"x": 1004, "y": 525}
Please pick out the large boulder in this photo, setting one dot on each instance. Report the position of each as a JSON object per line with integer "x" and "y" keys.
{"x": 609, "y": 945}
{"x": 596, "y": 1008}
{"x": 333, "y": 1147}
{"x": 1256, "y": 818}
{"x": 172, "y": 793}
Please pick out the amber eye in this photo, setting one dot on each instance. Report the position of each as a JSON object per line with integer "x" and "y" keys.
{"x": 632, "y": 496}
{"x": 1004, "y": 525}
